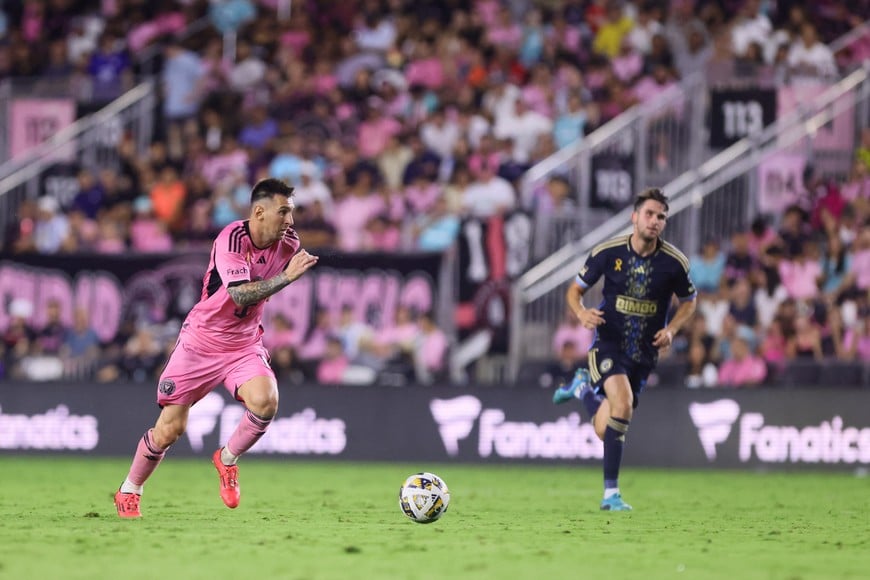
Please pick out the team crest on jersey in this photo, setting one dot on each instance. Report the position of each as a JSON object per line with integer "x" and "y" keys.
{"x": 605, "y": 365}
{"x": 166, "y": 387}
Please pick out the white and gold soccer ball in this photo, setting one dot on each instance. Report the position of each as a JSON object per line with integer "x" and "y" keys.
{"x": 424, "y": 497}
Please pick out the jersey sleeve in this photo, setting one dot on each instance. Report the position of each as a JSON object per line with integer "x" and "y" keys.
{"x": 683, "y": 286}
{"x": 291, "y": 241}
{"x": 591, "y": 270}
{"x": 230, "y": 260}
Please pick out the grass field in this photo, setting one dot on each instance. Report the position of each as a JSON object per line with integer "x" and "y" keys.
{"x": 301, "y": 520}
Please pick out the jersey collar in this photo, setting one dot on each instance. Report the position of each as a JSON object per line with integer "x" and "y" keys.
{"x": 659, "y": 244}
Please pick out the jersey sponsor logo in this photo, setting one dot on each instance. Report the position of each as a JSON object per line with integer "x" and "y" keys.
{"x": 605, "y": 365}
{"x": 262, "y": 260}
{"x": 166, "y": 387}
{"x": 635, "y": 307}
{"x": 617, "y": 265}
{"x": 237, "y": 271}
{"x": 583, "y": 270}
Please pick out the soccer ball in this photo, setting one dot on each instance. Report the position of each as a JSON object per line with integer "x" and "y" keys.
{"x": 424, "y": 497}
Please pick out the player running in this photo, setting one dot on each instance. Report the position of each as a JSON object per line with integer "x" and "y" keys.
{"x": 641, "y": 273}
{"x": 221, "y": 341}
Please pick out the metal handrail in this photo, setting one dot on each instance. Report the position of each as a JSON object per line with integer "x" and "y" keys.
{"x": 19, "y": 170}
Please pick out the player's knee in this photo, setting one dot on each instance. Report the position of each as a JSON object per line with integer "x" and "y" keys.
{"x": 263, "y": 404}
{"x": 168, "y": 432}
{"x": 621, "y": 409}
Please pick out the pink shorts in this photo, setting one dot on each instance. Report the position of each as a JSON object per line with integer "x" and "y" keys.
{"x": 190, "y": 375}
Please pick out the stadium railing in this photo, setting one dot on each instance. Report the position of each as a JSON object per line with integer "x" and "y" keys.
{"x": 714, "y": 199}
{"x": 628, "y": 146}
{"x": 90, "y": 142}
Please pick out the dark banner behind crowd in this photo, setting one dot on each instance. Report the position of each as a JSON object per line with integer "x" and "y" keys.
{"x": 821, "y": 428}
{"x": 157, "y": 288}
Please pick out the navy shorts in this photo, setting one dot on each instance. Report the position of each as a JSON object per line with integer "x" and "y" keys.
{"x": 608, "y": 360}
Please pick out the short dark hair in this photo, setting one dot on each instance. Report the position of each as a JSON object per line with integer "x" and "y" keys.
{"x": 651, "y": 193}
{"x": 266, "y": 188}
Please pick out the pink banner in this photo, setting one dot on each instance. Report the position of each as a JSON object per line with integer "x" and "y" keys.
{"x": 839, "y": 134}
{"x": 35, "y": 120}
{"x": 780, "y": 179}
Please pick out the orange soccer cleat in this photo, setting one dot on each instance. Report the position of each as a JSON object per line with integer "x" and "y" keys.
{"x": 128, "y": 504}
{"x": 231, "y": 493}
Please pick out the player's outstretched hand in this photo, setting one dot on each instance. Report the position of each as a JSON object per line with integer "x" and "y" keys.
{"x": 590, "y": 318}
{"x": 664, "y": 338}
{"x": 299, "y": 264}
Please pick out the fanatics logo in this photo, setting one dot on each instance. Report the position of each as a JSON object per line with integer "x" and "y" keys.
{"x": 166, "y": 387}
{"x": 714, "y": 421}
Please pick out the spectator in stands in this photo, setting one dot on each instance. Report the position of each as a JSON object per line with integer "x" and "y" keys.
{"x": 742, "y": 368}
{"x": 51, "y": 227}
{"x": 794, "y": 230}
{"x": 769, "y": 291}
{"x": 91, "y": 195}
{"x": 835, "y": 265}
{"x": 742, "y": 307}
{"x": 570, "y": 330}
{"x": 488, "y": 195}
{"x": 437, "y": 229}
{"x": 311, "y": 188}
{"x": 81, "y": 344}
{"x": 708, "y": 267}
{"x": 751, "y": 25}
{"x": 571, "y": 125}
{"x": 333, "y": 365}
{"x": 760, "y": 237}
{"x": 806, "y": 343}
{"x": 856, "y": 341}
{"x": 19, "y": 336}
{"x": 431, "y": 350}
{"x": 802, "y": 273}
{"x": 83, "y": 234}
{"x": 313, "y": 227}
{"x": 110, "y": 69}
{"x": 142, "y": 355}
{"x": 810, "y": 57}
{"x": 168, "y": 197}
{"x": 182, "y": 77}
{"x": 739, "y": 263}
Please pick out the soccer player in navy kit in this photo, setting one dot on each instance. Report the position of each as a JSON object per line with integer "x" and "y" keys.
{"x": 641, "y": 274}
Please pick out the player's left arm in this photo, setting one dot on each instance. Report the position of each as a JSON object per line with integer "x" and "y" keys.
{"x": 688, "y": 296}
{"x": 665, "y": 337}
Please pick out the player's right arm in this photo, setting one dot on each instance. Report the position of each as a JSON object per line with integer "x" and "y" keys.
{"x": 249, "y": 293}
{"x": 588, "y": 276}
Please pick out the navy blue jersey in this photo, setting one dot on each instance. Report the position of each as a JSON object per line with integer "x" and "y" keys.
{"x": 637, "y": 293}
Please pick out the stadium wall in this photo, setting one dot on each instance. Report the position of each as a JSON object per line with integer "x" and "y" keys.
{"x": 767, "y": 428}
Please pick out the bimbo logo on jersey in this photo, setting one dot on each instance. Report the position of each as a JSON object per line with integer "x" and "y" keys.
{"x": 564, "y": 438}
{"x": 829, "y": 441}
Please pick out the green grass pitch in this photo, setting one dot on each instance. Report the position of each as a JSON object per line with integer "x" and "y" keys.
{"x": 311, "y": 520}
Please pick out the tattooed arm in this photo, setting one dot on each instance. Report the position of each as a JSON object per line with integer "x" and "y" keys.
{"x": 249, "y": 293}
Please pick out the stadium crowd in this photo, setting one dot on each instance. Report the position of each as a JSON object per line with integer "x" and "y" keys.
{"x": 394, "y": 120}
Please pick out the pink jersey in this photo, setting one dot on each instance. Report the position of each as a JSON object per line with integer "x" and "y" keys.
{"x": 216, "y": 323}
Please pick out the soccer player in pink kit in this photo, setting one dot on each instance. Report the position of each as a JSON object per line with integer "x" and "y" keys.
{"x": 221, "y": 341}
